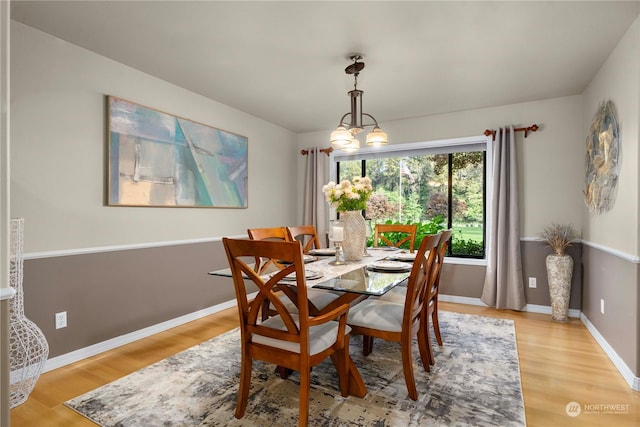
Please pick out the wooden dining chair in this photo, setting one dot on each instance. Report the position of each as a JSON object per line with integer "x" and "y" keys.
{"x": 307, "y": 236}
{"x": 431, "y": 306}
{"x": 395, "y": 235}
{"x": 400, "y": 322}
{"x": 263, "y": 265}
{"x": 292, "y": 340}
{"x": 398, "y": 293}
{"x": 317, "y": 298}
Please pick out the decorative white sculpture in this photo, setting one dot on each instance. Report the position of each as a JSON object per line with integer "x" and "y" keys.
{"x": 28, "y": 348}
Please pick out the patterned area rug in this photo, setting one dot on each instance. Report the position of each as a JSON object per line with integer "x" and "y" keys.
{"x": 475, "y": 382}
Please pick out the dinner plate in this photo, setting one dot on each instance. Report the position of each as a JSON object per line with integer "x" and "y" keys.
{"x": 308, "y": 273}
{"x": 323, "y": 251}
{"x": 305, "y": 258}
{"x": 403, "y": 256}
{"x": 390, "y": 265}
{"x": 309, "y": 258}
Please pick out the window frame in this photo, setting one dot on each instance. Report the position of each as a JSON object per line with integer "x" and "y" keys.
{"x": 442, "y": 146}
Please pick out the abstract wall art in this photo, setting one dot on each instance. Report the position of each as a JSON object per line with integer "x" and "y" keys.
{"x": 158, "y": 159}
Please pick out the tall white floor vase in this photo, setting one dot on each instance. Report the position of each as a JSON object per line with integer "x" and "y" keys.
{"x": 559, "y": 272}
{"x": 28, "y": 348}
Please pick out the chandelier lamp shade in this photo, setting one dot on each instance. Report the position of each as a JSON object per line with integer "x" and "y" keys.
{"x": 344, "y": 136}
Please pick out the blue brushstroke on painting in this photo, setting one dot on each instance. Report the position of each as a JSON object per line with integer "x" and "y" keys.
{"x": 202, "y": 165}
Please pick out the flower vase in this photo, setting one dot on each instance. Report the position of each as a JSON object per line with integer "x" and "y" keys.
{"x": 559, "y": 272}
{"x": 355, "y": 235}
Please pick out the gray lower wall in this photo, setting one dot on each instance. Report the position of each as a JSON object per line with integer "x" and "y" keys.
{"x": 110, "y": 294}
{"x": 534, "y": 254}
{"x": 616, "y": 281}
{"x": 467, "y": 280}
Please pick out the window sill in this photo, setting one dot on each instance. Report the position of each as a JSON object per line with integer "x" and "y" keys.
{"x": 465, "y": 261}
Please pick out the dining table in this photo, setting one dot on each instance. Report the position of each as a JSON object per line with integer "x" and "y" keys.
{"x": 373, "y": 275}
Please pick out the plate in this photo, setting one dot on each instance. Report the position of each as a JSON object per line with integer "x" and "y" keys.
{"x": 390, "y": 266}
{"x": 323, "y": 251}
{"x": 305, "y": 258}
{"x": 403, "y": 256}
{"x": 308, "y": 273}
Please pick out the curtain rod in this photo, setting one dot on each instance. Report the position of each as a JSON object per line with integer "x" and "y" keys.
{"x": 327, "y": 151}
{"x": 534, "y": 127}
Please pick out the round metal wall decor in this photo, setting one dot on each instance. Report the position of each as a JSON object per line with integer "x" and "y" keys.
{"x": 601, "y": 161}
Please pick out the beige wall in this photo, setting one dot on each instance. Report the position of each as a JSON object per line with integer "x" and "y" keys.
{"x": 611, "y": 256}
{"x": 550, "y": 164}
{"x": 58, "y": 152}
{"x": 619, "y": 81}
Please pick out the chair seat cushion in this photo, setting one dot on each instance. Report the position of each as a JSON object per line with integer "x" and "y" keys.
{"x": 321, "y": 337}
{"x": 318, "y": 297}
{"x": 376, "y": 313}
{"x": 396, "y": 294}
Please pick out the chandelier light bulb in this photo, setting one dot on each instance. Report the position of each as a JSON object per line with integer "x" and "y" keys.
{"x": 376, "y": 137}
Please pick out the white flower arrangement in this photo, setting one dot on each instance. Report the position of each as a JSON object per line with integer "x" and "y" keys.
{"x": 348, "y": 196}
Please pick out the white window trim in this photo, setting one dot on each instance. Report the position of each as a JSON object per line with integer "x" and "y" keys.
{"x": 458, "y": 143}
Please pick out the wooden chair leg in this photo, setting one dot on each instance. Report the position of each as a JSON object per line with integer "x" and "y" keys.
{"x": 245, "y": 382}
{"x": 305, "y": 386}
{"x": 427, "y": 337}
{"x": 283, "y": 372}
{"x": 425, "y": 350}
{"x": 367, "y": 345}
{"x": 436, "y": 325}
{"x": 407, "y": 365}
{"x": 341, "y": 362}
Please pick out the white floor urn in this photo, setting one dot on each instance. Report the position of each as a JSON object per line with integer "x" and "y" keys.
{"x": 28, "y": 347}
{"x": 559, "y": 272}
{"x": 355, "y": 235}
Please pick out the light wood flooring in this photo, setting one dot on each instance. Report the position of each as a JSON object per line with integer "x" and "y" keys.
{"x": 559, "y": 363}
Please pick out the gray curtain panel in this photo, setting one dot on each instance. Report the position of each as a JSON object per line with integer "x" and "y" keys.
{"x": 315, "y": 206}
{"x": 503, "y": 284}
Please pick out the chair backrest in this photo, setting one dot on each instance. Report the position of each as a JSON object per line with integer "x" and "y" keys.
{"x": 263, "y": 265}
{"x": 421, "y": 273}
{"x": 403, "y": 233}
{"x": 307, "y": 234}
{"x": 238, "y": 252}
{"x": 434, "y": 286}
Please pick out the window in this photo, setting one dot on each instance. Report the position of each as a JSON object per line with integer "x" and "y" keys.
{"x": 440, "y": 182}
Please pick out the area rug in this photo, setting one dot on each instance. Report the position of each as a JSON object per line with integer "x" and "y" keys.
{"x": 475, "y": 382}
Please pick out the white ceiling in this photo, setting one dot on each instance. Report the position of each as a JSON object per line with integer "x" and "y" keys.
{"x": 284, "y": 61}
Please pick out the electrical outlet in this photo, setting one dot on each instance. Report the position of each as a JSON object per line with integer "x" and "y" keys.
{"x": 61, "y": 320}
{"x": 601, "y": 306}
{"x": 532, "y": 282}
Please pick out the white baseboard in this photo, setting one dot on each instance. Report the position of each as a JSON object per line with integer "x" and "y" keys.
{"x": 92, "y": 350}
{"x": 83, "y": 353}
{"x": 545, "y": 309}
{"x": 461, "y": 300}
{"x": 625, "y": 371}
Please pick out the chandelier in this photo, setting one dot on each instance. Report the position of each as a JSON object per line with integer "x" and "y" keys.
{"x": 345, "y": 134}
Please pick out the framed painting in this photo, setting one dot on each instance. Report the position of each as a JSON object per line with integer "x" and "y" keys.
{"x": 157, "y": 159}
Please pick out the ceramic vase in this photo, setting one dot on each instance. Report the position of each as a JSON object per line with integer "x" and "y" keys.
{"x": 355, "y": 235}
{"x": 559, "y": 272}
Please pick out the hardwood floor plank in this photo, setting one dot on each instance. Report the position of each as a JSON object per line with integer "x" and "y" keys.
{"x": 559, "y": 364}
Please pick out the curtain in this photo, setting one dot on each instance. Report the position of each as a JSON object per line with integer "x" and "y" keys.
{"x": 503, "y": 284}
{"x": 315, "y": 206}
